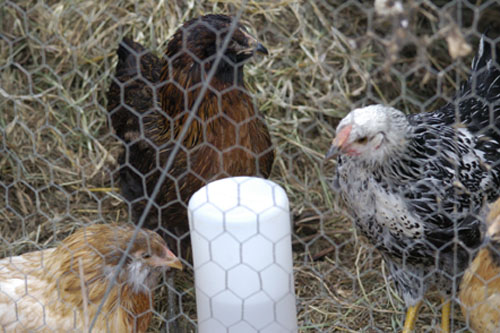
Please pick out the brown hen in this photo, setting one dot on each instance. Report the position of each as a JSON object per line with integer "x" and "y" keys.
{"x": 480, "y": 287}
{"x": 150, "y": 100}
{"x": 60, "y": 289}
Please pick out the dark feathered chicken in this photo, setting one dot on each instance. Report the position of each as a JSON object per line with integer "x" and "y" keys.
{"x": 150, "y": 99}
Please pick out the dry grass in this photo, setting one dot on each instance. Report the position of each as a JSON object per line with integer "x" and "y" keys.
{"x": 327, "y": 57}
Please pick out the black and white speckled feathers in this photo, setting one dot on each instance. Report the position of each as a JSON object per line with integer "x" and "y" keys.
{"x": 417, "y": 186}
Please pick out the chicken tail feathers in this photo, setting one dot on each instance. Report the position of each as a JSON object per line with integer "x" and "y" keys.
{"x": 483, "y": 57}
{"x": 132, "y": 89}
{"x": 484, "y": 81}
{"x": 478, "y": 102}
{"x": 128, "y": 53}
{"x": 132, "y": 95}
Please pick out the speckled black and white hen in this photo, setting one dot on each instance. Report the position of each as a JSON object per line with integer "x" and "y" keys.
{"x": 418, "y": 186}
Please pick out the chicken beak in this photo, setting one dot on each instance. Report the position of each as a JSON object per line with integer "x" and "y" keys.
{"x": 255, "y": 46}
{"x": 261, "y": 49}
{"x": 332, "y": 152}
{"x": 338, "y": 142}
{"x": 171, "y": 260}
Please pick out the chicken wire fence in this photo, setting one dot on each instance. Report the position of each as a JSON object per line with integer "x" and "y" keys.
{"x": 62, "y": 163}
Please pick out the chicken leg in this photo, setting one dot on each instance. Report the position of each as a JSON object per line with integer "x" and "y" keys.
{"x": 411, "y": 317}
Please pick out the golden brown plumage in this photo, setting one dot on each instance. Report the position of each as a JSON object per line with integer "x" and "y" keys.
{"x": 60, "y": 289}
{"x": 480, "y": 287}
{"x": 226, "y": 138}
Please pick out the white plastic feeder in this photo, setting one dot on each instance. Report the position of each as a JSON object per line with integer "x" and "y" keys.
{"x": 242, "y": 257}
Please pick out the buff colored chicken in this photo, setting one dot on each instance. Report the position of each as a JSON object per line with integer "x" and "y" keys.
{"x": 60, "y": 289}
{"x": 480, "y": 287}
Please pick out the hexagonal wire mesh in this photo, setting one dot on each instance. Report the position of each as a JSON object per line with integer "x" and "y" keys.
{"x": 60, "y": 157}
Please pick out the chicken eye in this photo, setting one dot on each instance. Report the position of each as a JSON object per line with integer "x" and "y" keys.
{"x": 362, "y": 140}
{"x": 146, "y": 255}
